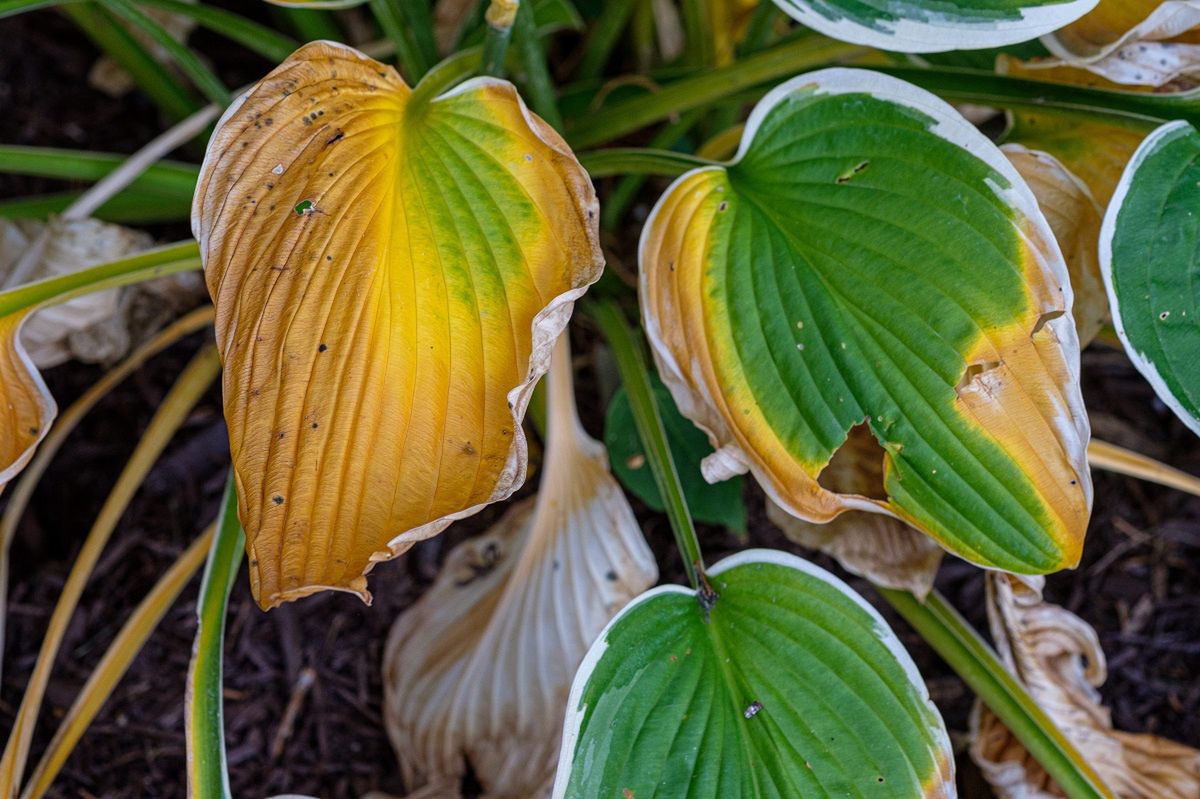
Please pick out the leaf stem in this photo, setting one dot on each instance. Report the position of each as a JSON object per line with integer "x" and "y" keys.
{"x": 537, "y": 75}
{"x": 391, "y": 20}
{"x": 631, "y": 363}
{"x": 501, "y": 14}
{"x": 639, "y": 161}
{"x": 973, "y": 660}
{"x": 207, "y": 772}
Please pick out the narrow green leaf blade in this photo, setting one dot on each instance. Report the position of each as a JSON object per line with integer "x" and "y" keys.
{"x": 206, "y": 770}
{"x": 715, "y": 504}
{"x": 1151, "y": 265}
{"x": 793, "y": 686}
{"x": 930, "y": 26}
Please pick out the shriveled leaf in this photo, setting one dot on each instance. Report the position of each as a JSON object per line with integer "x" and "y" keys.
{"x": 1058, "y": 658}
{"x": 870, "y": 256}
{"x": 789, "y": 685}
{"x": 930, "y": 26}
{"x": 716, "y": 504}
{"x": 477, "y": 673}
{"x": 1093, "y": 151}
{"x": 1134, "y": 42}
{"x": 389, "y": 275}
{"x": 1149, "y": 260}
{"x": 1074, "y": 216}
{"x": 884, "y": 550}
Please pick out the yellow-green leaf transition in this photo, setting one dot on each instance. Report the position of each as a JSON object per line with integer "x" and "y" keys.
{"x": 869, "y": 256}
{"x": 389, "y": 274}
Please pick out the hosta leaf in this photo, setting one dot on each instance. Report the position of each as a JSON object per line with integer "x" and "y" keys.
{"x": 716, "y": 504}
{"x": 1134, "y": 42}
{"x": 1074, "y": 216}
{"x": 884, "y": 550}
{"x": 791, "y": 685}
{"x": 1149, "y": 260}
{"x": 928, "y": 26}
{"x": 26, "y": 406}
{"x": 476, "y": 674}
{"x": 870, "y": 256}
{"x": 389, "y": 275}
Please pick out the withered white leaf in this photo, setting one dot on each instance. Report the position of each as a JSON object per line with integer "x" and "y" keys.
{"x": 478, "y": 672}
{"x": 1057, "y": 656}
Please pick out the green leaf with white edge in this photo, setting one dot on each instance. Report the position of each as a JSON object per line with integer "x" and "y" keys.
{"x": 1151, "y": 265}
{"x": 930, "y": 26}
{"x": 716, "y": 504}
{"x": 870, "y": 259}
{"x": 791, "y": 685}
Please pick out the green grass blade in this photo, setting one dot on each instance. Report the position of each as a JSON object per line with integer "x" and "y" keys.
{"x": 127, "y": 208}
{"x": 204, "y": 79}
{"x": 310, "y": 24}
{"x": 391, "y": 20}
{"x": 171, "y": 96}
{"x": 612, "y": 23}
{"x": 964, "y": 651}
{"x": 538, "y": 83}
{"x": 208, "y": 777}
{"x": 10, "y": 7}
{"x": 171, "y": 178}
{"x": 266, "y": 42}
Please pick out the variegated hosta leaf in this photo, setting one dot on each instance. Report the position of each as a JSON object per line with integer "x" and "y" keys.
{"x": 332, "y": 4}
{"x": 1074, "y": 216}
{"x": 882, "y": 549}
{"x": 1150, "y": 262}
{"x": 789, "y": 685}
{"x": 1134, "y": 42}
{"x": 930, "y": 26}
{"x": 1058, "y": 658}
{"x": 870, "y": 256}
{"x": 389, "y": 276}
{"x": 479, "y": 670}
{"x": 1093, "y": 151}
{"x": 26, "y": 406}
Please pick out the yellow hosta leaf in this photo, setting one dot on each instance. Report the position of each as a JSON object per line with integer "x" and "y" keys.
{"x": 389, "y": 274}
{"x": 1057, "y": 656}
{"x": 1134, "y": 42}
{"x": 1075, "y": 218}
{"x": 478, "y": 672}
{"x": 26, "y": 406}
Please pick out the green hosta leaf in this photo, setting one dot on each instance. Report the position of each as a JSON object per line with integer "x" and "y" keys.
{"x": 1151, "y": 265}
{"x": 716, "y": 504}
{"x": 925, "y": 26}
{"x": 870, "y": 257}
{"x": 791, "y": 686}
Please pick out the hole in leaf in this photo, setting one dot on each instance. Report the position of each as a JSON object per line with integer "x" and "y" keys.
{"x": 856, "y": 466}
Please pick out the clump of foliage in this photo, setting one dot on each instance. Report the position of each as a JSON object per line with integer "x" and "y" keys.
{"x": 848, "y": 292}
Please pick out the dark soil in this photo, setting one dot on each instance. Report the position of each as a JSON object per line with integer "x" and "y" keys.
{"x": 1139, "y": 583}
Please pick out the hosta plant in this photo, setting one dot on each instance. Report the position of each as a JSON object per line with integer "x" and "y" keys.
{"x": 848, "y": 291}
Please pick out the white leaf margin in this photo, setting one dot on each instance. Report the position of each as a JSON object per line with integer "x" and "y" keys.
{"x": 572, "y": 726}
{"x": 1149, "y": 146}
{"x": 945, "y": 33}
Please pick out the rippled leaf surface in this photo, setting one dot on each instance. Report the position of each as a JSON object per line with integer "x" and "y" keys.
{"x": 389, "y": 275}
{"x": 870, "y": 256}
{"x": 926, "y": 26}
{"x": 1150, "y": 264}
{"x": 791, "y": 685}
